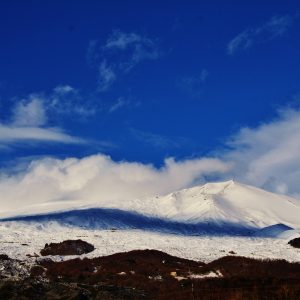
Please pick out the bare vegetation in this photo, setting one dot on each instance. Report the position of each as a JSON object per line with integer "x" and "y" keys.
{"x": 151, "y": 274}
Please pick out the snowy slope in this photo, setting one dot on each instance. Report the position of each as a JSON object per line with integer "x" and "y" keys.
{"x": 230, "y": 202}
{"x": 212, "y": 204}
{"x": 14, "y": 235}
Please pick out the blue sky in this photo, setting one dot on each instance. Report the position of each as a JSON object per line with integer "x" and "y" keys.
{"x": 142, "y": 82}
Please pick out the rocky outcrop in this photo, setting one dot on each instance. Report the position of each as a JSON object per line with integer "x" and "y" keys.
{"x": 69, "y": 247}
{"x": 295, "y": 243}
{"x": 12, "y": 269}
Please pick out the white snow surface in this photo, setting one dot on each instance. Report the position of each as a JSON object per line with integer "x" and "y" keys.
{"x": 17, "y": 239}
{"x": 221, "y": 202}
{"x": 229, "y": 202}
{"x": 224, "y": 202}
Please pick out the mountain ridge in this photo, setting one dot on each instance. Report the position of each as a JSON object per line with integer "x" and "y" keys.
{"x": 212, "y": 204}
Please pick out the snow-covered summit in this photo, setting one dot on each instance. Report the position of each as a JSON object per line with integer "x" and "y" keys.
{"x": 219, "y": 203}
{"x": 230, "y": 202}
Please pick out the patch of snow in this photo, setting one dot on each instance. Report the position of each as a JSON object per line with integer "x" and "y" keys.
{"x": 211, "y": 274}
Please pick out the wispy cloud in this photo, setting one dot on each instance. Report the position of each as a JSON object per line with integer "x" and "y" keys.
{"x": 67, "y": 100}
{"x": 157, "y": 140}
{"x": 36, "y": 108}
{"x": 274, "y": 28}
{"x": 120, "y": 53}
{"x": 29, "y": 113}
{"x": 28, "y": 122}
{"x": 11, "y": 134}
{"x": 121, "y": 40}
{"x": 64, "y": 89}
{"x": 194, "y": 84}
{"x": 92, "y": 53}
{"x": 120, "y": 103}
{"x": 106, "y": 76}
{"x": 140, "y": 48}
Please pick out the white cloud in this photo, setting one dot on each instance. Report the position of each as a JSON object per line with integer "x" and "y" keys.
{"x": 121, "y": 40}
{"x": 30, "y": 112}
{"x": 118, "y": 105}
{"x": 120, "y": 53}
{"x": 106, "y": 76}
{"x": 63, "y": 89}
{"x": 66, "y": 100}
{"x": 99, "y": 178}
{"x": 145, "y": 50}
{"x": 10, "y": 134}
{"x": 141, "y": 48}
{"x": 268, "y": 156}
{"x": 275, "y": 27}
{"x": 29, "y": 124}
{"x": 194, "y": 84}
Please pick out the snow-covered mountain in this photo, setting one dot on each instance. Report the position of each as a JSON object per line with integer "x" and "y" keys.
{"x": 223, "y": 206}
{"x": 229, "y": 202}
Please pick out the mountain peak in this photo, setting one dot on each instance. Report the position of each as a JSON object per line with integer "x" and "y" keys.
{"x": 231, "y": 202}
{"x": 217, "y": 187}
{"x": 227, "y": 202}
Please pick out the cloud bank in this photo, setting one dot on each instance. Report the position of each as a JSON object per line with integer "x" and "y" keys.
{"x": 266, "y": 156}
{"x": 99, "y": 179}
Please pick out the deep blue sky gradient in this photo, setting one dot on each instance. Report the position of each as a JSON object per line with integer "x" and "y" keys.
{"x": 44, "y": 44}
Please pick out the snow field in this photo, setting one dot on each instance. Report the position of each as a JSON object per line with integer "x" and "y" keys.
{"x": 17, "y": 239}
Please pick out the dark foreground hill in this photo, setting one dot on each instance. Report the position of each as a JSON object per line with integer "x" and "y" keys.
{"x": 150, "y": 274}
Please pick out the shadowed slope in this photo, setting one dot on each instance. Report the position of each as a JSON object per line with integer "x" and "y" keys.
{"x": 98, "y": 218}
